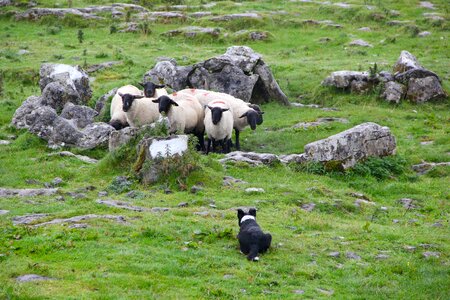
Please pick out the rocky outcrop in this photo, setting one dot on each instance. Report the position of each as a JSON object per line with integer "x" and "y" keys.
{"x": 6, "y": 193}
{"x": 355, "y": 144}
{"x": 343, "y": 79}
{"x": 64, "y": 89}
{"x": 239, "y": 72}
{"x": 425, "y": 89}
{"x": 194, "y": 31}
{"x": 393, "y": 91}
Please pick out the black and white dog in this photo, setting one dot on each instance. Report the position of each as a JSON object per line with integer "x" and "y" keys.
{"x": 251, "y": 238}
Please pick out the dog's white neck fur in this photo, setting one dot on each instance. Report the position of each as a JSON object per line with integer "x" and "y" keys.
{"x": 247, "y": 217}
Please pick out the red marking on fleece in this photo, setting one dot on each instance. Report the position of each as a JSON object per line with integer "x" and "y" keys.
{"x": 205, "y": 94}
{"x": 174, "y": 94}
{"x": 218, "y": 102}
{"x": 193, "y": 91}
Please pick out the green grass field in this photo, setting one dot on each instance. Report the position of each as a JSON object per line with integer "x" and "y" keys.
{"x": 179, "y": 254}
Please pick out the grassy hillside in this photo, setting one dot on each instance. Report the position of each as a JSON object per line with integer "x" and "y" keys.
{"x": 181, "y": 254}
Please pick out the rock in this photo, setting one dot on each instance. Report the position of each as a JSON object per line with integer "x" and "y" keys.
{"x": 429, "y": 254}
{"x": 425, "y": 167}
{"x": 250, "y": 158}
{"x": 165, "y": 15}
{"x": 325, "y": 291}
{"x": 100, "y": 104}
{"x": 385, "y": 76}
{"x": 434, "y": 17}
{"x": 27, "y": 219}
{"x": 410, "y": 248}
{"x": 359, "y": 195}
{"x": 365, "y": 29}
{"x": 81, "y": 116}
{"x": 56, "y": 181}
{"x": 426, "y": 4}
{"x": 118, "y": 138}
{"x": 398, "y": 23}
{"x": 352, "y": 255}
{"x": 120, "y": 204}
{"x": 318, "y": 122}
{"x": 130, "y": 27}
{"x": 5, "y": 193}
{"x": 395, "y": 221}
{"x": 23, "y": 52}
{"x": 169, "y": 73}
{"x": 427, "y": 246}
{"x": 5, "y": 3}
{"x": 95, "y": 135}
{"x": 200, "y": 14}
{"x": 249, "y": 35}
{"x": 60, "y": 198}
{"x": 3, "y": 212}
{"x": 360, "y": 43}
{"x": 120, "y": 184}
{"x": 194, "y": 31}
{"x": 414, "y": 73}
{"x": 421, "y": 90}
{"x": 381, "y": 257}
{"x": 254, "y": 191}
{"x": 32, "y": 277}
{"x": 38, "y": 13}
{"x": 293, "y": 158}
{"x": 298, "y": 292}
{"x": 343, "y": 79}
{"x": 240, "y": 16}
{"x": 76, "y": 195}
{"x": 408, "y": 203}
{"x": 159, "y": 209}
{"x": 83, "y": 158}
{"x": 202, "y": 213}
{"x": 393, "y": 92}
{"x": 406, "y": 62}
{"x": 437, "y": 224}
{"x": 101, "y": 66}
{"x": 183, "y": 204}
{"x": 41, "y": 122}
{"x": 102, "y": 193}
{"x": 343, "y": 5}
{"x": 68, "y": 76}
{"x": 78, "y": 225}
{"x": 229, "y": 181}
{"x": 19, "y": 119}
{"x": 424, "y": 34}
{"x": 425, "y": 143}
{"x": 167, "y": 147}
{"x": 335, "y": 254}
{"x": 77, "y": 219}
{"x": 4, "y": 142}
{"x": 361, "y": 87}
{"x": 358, "y": 202}
{"x": 195, "y": 189}
{"x": 355, "y": 144}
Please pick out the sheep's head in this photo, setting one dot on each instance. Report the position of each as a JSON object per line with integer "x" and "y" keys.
{"x": 253, "y": 118}
{"x": 164, "y": 104}
{"x": 256, "y": 107}
{"x": 150, "y": 88}
{"x": 216, "y": 113}
{"x": 127, "y": 100}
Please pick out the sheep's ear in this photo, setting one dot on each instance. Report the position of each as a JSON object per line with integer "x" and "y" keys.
{"x": 160, "y": 86}
{"x": 244, "y": 115}
{"x": 252, "y": 211}
{"x": 141, "y": 84}
{"x": 155, "y": 101}
{"x": 173, "y": 103}
{"x": 208, "y": 107}
{"x": 225, "y": 109}
{"x": 120, "y": 94}
{"x": 260, "y": 112}
{"x": 138, "y": 96}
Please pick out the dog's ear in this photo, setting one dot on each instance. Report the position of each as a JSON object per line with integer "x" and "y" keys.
{"x": 240, "y": 213}
{"x": 252, "y": 212}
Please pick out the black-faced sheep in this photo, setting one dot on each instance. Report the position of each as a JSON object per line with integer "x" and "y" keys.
{"x": 218, "y": 125}
{"x": 152, "y": 90}
{"x": 118, "y": 116}
{"x": 185, "y": 114}
{"x": 139, "y": 110}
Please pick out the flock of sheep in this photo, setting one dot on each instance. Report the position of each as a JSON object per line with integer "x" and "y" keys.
{"x": 190, "y": 111}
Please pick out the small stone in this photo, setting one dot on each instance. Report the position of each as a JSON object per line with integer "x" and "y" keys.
{"x": 426, "y": 246}
{"x": 213, "y": 206}
{"x": 202, "y": 213}
{"x": 427, "y": 143}
{"x": 32, "y": 277}
{"x": 60, "y": 198}
{"x": 381, "y": 256}
{"x": 424, "y": 34}
{"x": 339, "y": 266}
{"x": 335, "y": 254}
{"x": 298, "y": 292}
{"x": 308, "y": 207}
{"x": 3, "y": 212}
{"x": 409, "y": 248}
{"x": 254, "y": 190}
{"x": 4, "y": 142}
{"x": 395, "y": 221}
{"x": 102, "y": 193}
{"x": 366, "y": 29}
{"x": 359, "y": 202}
{"x": 437, "y": 224}
{"x": 183, "y": 204}
{"x": 360, "y": 43}
{"x": 131, "y": 194}
{"x": 160, "y": 209}
{"x": 77, "y": 195}
{"x": 326, "y": 292}
{"x": 429, "y": 254}
{"x": 167, "y": 191}
{"x": 57, "y": 181}
{"x": 195, "y": 189}
{"x": 352, "y": 255}
{"x": 78, "y": 225}
{"x": 408, "y": 203}
{"x": 412, "y": 221}
{"x": 227, "y": 276}
{"x": 384, "y": 208}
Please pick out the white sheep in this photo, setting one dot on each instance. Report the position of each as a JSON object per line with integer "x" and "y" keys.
{"x": 139, "y": 110}
{"x": 185, "y": 114}
{"x": 218, "y": 125}
{"x": 118, "y": 116}
{"x": 244, "y": 113}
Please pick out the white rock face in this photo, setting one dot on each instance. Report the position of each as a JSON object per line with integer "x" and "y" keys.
{"x": 168, "y": 147}
{"x": 355, "y": 144}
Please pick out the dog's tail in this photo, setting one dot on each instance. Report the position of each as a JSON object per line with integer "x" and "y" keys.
{"x": 253, "y": 254}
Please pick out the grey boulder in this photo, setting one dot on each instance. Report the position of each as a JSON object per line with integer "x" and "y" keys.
{"x": 343, "y": 79}
{"x": 425, "y": 89}
{"x": 169, "y": 73}
{"x": 393, "y": 91}
{"x": 81, "y": 116}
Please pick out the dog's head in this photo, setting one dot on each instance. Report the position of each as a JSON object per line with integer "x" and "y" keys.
{"x": 243, "y": 216}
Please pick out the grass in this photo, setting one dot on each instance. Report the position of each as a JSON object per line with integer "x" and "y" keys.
{"x": 181, "y": 255}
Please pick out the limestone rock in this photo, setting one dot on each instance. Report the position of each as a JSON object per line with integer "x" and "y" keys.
{"x": 194, "y": 31}
{"x": 360, "y": 43}
{"x": 343, "y": 79}
{"x": 100, "y": 104}
{"x": 32, "y": 277}
{"x": 19, "y": 119}
{"x": 240, "y": 16}
{"x": 425, "y": 89}
{"x": 81, "y": 116}
{"x": 95, "y": 134}
{"x": 425, "y": 167}
{"x": 83, "y": 158}
{"x": 42, "y": 121}
{"x": 120, "y": 137}
{"x": 406, "y": 62}
{"x": 353, "y": 145}
{"x": 424, "y": 34}
{"x": 169, "y": 73}
{"x": 27, "y": 219}
{"x": 250, "y": 35}
{"x": 393, "y": 91}
{"x": 250, "y": 157}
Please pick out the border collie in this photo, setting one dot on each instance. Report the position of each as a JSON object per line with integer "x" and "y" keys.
{"x": 251, "y": 238}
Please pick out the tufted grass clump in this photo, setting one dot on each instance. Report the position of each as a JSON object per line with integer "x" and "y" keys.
{"x": 381, "y": 168}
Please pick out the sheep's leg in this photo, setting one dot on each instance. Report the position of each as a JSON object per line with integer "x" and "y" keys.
{"x": 229, "y": 142}
{"x": 238, "y": 145}
{"x": 201, "y": 141}
{"x": 223, "y": 145}
{"x": 208, "y": 147}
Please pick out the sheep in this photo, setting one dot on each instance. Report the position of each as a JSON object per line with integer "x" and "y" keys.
{"x": 118, "y": 116}
{"x": 244, "y": 113}
{"x": 152, "y": 90}
{"x": 185, "y": 114}
{"x": 139, "y": 110}
{"x": 218, "y": 125}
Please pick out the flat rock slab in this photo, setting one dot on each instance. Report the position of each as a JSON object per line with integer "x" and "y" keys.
{"x": 194, "y": 31}
{"x": 32, "y": 277}
{"x": 168, "y": 147}
{"x": 318, "y": 122}
{"x": 242, "y": 16}
{"x": 343, "y": 79}
{"x": 77, "y": 219}
{"x": 83, "y": 158}
{"x": 28, "y": 219}
{"x": 425, "y": 167}
{"x": 254, "y": 190}
{"x": 120, "y": 204}
{"x": 360, "y": 43}
{"x": 5, "y": 193}
{"x": 5, "y": 142}
{"x": 252, "y": 158}
{"x": 3, "y": 212}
